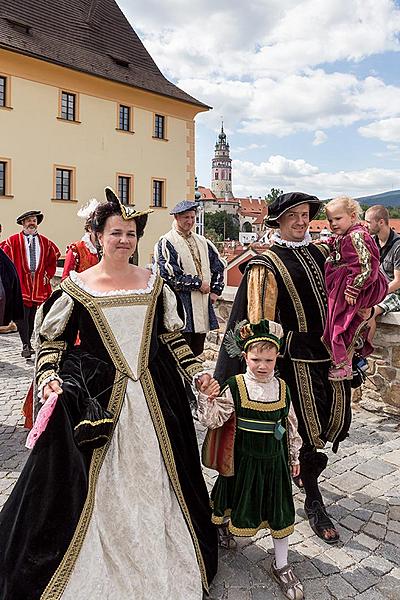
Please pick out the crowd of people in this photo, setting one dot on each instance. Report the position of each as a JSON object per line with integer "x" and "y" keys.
{"x": 112, "y": 501}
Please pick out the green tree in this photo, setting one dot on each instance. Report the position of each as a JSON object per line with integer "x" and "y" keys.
{"x": 273, "y": 194}
{"x": 223, "y": 224}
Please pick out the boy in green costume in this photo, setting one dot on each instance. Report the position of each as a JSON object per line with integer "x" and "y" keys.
{"x": 253, "y": 443}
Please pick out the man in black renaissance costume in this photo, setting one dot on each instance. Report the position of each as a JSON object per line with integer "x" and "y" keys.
{"x": 286, "y": 284}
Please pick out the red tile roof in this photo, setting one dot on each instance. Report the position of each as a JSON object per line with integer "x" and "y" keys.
{"x": 92, "y": 36}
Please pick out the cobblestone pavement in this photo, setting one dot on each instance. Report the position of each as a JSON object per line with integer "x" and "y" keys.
{"x": 361, "y": 488}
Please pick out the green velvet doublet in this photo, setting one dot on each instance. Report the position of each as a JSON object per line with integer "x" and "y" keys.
{"x": 259, "y": 493}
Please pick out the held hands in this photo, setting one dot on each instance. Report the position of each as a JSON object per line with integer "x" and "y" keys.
{"x": 208, "y": 386}
{"x": 49, "y": 388}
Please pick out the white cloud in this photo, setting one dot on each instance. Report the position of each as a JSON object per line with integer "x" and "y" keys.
{"x": 290, "y": 175}
{"x": 320, "y": 137}
{"x": 387, "y": 130}
{"x": 261, "y": 38}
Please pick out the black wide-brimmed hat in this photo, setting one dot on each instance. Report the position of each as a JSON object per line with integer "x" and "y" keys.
{"x": 128, "y": 211}
{"x": 286, "y": 201}
{"x": 31, "y": 213}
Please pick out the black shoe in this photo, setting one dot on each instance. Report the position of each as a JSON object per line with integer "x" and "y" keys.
{"x": 320, "y": 522}
{"x": 26, "y": 351}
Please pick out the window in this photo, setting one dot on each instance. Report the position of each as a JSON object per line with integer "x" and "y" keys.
{"x": 68, "y": 106}
{"x": 159, "y": 127}
{"x": 3, "y": 167}
{"x": 3, "y": 91}
{"x": 125, "y": 119}
{"x": 5, "y": 177}
{"x": 64, "y": 184}
{"x": 124, "y": 188}
{"x": 158, "y": 192}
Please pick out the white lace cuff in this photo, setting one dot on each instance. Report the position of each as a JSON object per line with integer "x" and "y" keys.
{"x": 48, "y": 379}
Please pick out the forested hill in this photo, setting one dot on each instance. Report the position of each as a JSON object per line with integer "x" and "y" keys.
{"x": 391, "y": 198}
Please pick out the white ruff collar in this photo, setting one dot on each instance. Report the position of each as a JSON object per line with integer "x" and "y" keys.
{"x": 88, "y": 243}
{"x": 276, "y": 238}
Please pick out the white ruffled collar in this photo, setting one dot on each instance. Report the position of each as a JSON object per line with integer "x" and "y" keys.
{"x": 276, "y": 238}
{"x": 78, "y": 281}
{"x": 262, "y": 391}
{"x": 88, "y": 243}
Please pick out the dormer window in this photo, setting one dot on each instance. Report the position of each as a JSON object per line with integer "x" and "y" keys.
{"x": 18, "y": 26}
{"x": 121, "y": 62}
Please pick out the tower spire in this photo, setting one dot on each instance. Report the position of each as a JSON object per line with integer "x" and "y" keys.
{"x": 221, "y": 178}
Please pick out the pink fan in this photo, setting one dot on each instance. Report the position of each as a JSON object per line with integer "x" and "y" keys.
{"x": 41, "y": 421}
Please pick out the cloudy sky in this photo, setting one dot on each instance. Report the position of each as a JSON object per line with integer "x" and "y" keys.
{"x": 309, "y": 91}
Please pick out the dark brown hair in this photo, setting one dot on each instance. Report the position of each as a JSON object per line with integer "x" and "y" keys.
{"x": 105, "y": 210}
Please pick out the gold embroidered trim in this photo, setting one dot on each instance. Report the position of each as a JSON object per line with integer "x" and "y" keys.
{"x": 51, "y": 345}
{"x": 250, "y": 531}
{"x": 169, "y": 461}
{"x": 59, "y": 581}
{"x": 336, "y": 420}
{"x": 307, "y": 403}
{"x": 94, "y": 305}
{"x": 43, "y": 376}
{"x": 316, "y": 280}
{"x": 364, "y": 258}
{"x": 245, "y": 401}
{"x": 46, "y": 357}
{"x": 291, "y": 288}
{"x": 93, "y": 423}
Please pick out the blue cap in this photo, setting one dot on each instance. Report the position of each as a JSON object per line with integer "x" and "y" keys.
{"x": 184, "y": 206}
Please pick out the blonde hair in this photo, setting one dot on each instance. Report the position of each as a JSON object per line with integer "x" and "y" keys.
{"x": 260, "y": 346}
{"x": 349, "y": 204}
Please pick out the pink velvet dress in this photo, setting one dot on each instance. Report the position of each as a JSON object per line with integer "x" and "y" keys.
{"x": 352, "y": 268}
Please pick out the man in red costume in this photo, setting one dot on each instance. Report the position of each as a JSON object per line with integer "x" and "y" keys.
{"x": 35, "y": 258}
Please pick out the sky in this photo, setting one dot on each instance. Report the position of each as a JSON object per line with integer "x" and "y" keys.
{"x": 309, "y": 91}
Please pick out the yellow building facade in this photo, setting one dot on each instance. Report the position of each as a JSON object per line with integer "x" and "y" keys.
{"x": 66, "y": 134}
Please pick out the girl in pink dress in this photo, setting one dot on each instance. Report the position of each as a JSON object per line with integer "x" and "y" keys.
{"x": 353, "y": 282}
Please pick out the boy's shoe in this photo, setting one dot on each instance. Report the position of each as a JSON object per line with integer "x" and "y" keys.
{"x": 289, "y": 583}
{"x": 340, "y": 373}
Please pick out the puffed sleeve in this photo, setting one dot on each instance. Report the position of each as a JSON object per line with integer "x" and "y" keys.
{"x": 215, "y": 412}
{"x": 217, "y": 267}
{"x": 170, "y": 269}
{"x": 172, "y": 321}
{"x": 55, "y": 330}
{"x": 295, "y": 441}
{"x": 361, "y": 261}
{"x": 262, "y": 293}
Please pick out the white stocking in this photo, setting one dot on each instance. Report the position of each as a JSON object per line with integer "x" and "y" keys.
{"x": 281, "y": 546}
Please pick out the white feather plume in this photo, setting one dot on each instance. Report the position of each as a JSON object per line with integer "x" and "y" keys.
{"x": 88, "y": 208}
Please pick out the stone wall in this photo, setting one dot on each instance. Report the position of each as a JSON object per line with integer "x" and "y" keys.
{"x": 381, "y": 391}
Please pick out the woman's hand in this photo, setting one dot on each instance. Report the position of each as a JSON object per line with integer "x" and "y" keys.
{"x": 295, "y": 470}
{"x": 50, "y": 388}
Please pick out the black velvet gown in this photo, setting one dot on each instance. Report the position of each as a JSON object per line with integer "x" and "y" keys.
{"x": 44, "y": 522}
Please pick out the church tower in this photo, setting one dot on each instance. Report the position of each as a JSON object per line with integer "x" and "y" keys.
{"x": 221, "y": 177}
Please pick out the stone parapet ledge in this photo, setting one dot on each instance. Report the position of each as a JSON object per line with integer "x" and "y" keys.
{"x": 381, "y": 391}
